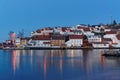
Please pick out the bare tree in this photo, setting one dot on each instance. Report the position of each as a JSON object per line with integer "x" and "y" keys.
{"x": 21, "y": 33}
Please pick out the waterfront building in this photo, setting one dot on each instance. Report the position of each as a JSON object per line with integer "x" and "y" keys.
{"x": 74, "y": 41}
{"x": 79, "y": 36}
{"x": 117, "y": 45}
{"x": 8, "y": 43}
{"x": 107, "y": 29}
{"x": 24, "y": 41}
{"x": 87, "y": 31}
{"x": 77, "y": 32}
{"x": 17, "y": 42}
{"x": 100, "y": 44}
{"x": 112, "y": 35}
{"x": 40, "y": 41}
{"x": 57, "y": 41}
{"x": 94, "y": 38}
{"x": 108, "y": 40}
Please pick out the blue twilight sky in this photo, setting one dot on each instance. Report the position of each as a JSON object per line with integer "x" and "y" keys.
{"x": 30, "y": 15}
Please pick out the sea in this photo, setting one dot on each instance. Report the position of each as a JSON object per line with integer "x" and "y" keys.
{"x": 71, "y": 64}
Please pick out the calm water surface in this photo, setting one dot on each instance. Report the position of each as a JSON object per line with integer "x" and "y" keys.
{"x": 58, "y": 65}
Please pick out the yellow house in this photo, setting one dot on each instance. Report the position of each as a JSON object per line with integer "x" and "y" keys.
{"x": 58, "y": 40}
{"x": 24, "y": 41}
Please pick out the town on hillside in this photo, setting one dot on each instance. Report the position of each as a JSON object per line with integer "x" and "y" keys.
{"x": 80, "y": 36}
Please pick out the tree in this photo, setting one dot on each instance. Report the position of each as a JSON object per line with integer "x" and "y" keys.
{"x": 21, "y": 34}
{"x": 114, "y": 22}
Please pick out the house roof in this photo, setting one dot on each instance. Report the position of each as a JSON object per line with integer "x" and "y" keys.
{"x": 75, "y": 36}
{"x": 100, "y": 43}
{"x": 110, "y": 32}
{"x": 41, "y": 37}
{"x": 50, "y": 34}
{"x": 58, "y": 37}
{"x": 80, "y": 27}
{"x": 38, "y": 30}
{"x": 64, "y": 29}
{"x": 48, "y": 28}
{"x": 86, "y": 29}
{"x": 26, "y": 38}
{"x": 107, "y": 39}
{"x": 91, "y": 28}
{"x": 107, "y": 28}
{"x": 71, "y": 30}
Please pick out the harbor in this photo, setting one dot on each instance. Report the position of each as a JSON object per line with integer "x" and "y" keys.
{"x": 39, "y": 48}
{"x": 78, "y": 37}
{"x": 59, "y": 40}
{"x": 111, "y": 53}
{"x": 57, "y": 64}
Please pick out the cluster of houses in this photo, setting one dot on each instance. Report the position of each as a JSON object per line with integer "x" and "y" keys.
{"x": 80, "y": 36}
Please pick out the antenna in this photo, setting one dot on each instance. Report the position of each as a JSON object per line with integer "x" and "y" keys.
{"x": 111, "y": 19}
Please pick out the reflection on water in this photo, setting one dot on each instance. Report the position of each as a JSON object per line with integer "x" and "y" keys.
{"x": 86, "y": 64}
{"x": 15, "y": 60}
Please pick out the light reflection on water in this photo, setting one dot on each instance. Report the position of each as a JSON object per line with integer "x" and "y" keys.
{"x": 71, "y": 64}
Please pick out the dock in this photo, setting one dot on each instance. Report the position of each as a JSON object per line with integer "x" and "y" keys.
{"x": 111, "y": 54}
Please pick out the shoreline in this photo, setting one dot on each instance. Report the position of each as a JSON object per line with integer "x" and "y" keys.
{"x": 44, "y": 48}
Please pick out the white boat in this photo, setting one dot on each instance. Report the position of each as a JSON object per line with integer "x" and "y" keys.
{"x": 111, "y": 53}
{"x": 116, "y": 45}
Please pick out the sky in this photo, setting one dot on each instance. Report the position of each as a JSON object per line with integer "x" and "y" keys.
{"x": 30, "y": 15}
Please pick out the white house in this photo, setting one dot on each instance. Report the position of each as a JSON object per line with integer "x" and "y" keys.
{"x": 37, "y": 32}
{"x": 112, "y": 35}
{"x": 117, "y": 44}
{"x": 58, "y": 30}
{"x": 87, "y": 31}
{"x": 17, "y": 41}
{"x": 108, "y": 40}
{"x": 107, "y": 29}
{"x": 45, "y": 31}
{"x": 75, "y": 41}
{"x": 40, "y": 41}
{"x": 94, "y": 38}
{"x": 100, "y": 45}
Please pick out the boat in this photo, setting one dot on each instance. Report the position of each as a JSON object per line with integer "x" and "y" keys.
{"x": 116, "y": 45}
{"x": 111, "y": 53}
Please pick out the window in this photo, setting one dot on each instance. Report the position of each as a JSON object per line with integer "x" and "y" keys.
{"x": 104, "y": 44}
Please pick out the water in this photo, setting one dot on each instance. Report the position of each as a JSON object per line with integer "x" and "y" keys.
{"x": 58, "y": 65}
